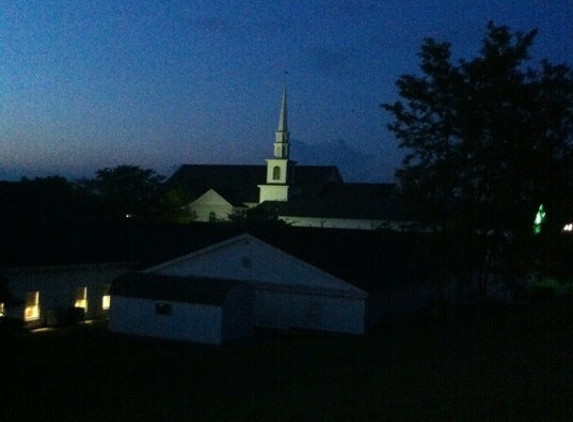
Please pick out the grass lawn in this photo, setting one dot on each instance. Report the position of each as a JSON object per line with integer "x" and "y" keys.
{"x": 499, "y": 364}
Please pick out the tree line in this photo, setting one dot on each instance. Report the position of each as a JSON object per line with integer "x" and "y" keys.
{"x": 119, "y": 193}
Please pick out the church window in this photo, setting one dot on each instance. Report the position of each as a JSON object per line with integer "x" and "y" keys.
{"x": 276, "y": 173}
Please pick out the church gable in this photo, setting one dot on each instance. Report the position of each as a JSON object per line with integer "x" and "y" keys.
{"x": 211, "y": 197}
{"x": 247, "y": 258}
{"x": 211, "y": 207}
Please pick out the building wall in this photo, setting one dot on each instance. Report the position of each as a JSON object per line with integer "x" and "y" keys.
{"x": 57, "y": 287}
{"x": 211, "y": 206}
{"x": 286, "y": 310}
{"x": 187, "y": 321}
{"x": 273, "y": 193}
{"x": 211, "y": 212}
{"x": 331, "y": 223}
{"x": 238, "y": 314}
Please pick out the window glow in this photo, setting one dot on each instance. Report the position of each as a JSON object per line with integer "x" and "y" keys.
{"x": 105, "y": 302}
{"x": 32, "y": 310}
{"x": 82, "y": 298}
{"x": 568, "y": 227}
{"x": 2, "y": 310}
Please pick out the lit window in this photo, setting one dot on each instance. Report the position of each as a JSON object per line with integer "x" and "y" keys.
{"x": 32, "y": 310}
{"x": 2, "y": 310}
{"x": 82, "y": 298}
{"x": 106, "y": 299}
{"x": 568, "y": 227}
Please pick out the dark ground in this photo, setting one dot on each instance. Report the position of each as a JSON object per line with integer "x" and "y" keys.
{"x": 499, "y": 364}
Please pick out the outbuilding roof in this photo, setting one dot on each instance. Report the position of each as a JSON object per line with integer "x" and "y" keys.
{"x": 173, "y": 288}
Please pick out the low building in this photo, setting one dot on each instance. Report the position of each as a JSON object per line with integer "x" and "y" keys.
{"x": 289, "y": 293}
{"x": 181, "y": 308}
{"x": 60, "y": 294}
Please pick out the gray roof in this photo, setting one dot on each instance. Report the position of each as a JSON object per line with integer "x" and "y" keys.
{"x": 236, "y": 183}
{"x": 239, "y": 183}
{"x": 172, "y": 288}
{"x": 377, "y": 201}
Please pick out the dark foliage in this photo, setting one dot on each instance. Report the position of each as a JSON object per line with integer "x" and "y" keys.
{"x": 488, "y": 140}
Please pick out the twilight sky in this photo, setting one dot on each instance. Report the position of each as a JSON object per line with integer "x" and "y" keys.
{"x": 88, "y": 84}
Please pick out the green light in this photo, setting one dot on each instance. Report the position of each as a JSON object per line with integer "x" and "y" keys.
{"x": 539, "y": 219}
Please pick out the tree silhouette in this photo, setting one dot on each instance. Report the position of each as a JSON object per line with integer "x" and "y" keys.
{"x": 488, "y": 139}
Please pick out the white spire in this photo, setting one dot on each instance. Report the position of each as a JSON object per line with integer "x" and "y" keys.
{"x": 283, "y": 126}
{"x": 281, "y": 137}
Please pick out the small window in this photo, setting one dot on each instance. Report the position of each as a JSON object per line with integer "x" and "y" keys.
{"x": 212, "y": 217}
{"x": 105, "y": 299}
{"x": 32, "y": 309}
{"x": 163, "y": 308}
{"x": 2, "y": 310}
{"x": 276, "y": 173}
{"x": 82, "y": 298}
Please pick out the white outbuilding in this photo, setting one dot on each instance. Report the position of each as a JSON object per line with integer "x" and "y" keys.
{"x": 289, "y": 293}
{"x": 181, "y": 308}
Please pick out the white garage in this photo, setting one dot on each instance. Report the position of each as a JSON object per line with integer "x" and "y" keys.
{"x": 181, "y": 308}
{"x": 289, "y": 293}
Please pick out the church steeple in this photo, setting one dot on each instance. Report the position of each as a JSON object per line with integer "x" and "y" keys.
{"x": 280, "y": 167}
{"x": 282, "y": 135}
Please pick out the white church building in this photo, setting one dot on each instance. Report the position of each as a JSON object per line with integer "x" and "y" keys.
{"x": 300, "y": 195}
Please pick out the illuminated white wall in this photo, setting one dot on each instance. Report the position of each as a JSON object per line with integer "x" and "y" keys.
{"x": 273, "y": 193}
{"x": 192, "y": 322}
{"x": 288, "y": 290}
{"x": 210, "y": 205}
{"x": 136, "y": 316}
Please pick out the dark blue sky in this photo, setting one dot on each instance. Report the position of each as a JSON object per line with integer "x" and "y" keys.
{"x": 89, "y": 84}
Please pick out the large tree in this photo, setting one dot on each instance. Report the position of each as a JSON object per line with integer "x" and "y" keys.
{"x": 128, "y": 191}
{"x": 488, "y": 140}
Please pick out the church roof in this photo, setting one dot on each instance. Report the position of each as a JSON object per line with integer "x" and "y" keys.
{"x": 236, "y": 183}
{"x": 239, "y": 183}
{"x": 345, "y": 200}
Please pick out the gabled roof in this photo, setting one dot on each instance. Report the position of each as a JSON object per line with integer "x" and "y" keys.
{"x": 249, "y": 259}
{"x": 172, "y": 288}
{"x": 236, "y": 183}
{"x": 310, "y": 181}
{"x": 374, "y": 201}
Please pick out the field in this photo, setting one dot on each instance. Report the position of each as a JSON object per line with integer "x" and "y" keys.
{"x": 487, "y": 364}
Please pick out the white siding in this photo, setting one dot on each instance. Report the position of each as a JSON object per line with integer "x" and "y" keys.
{"x": 286, "y": 310}
{"x": 187, "y": 321}
{"x": 246, "y": 258}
